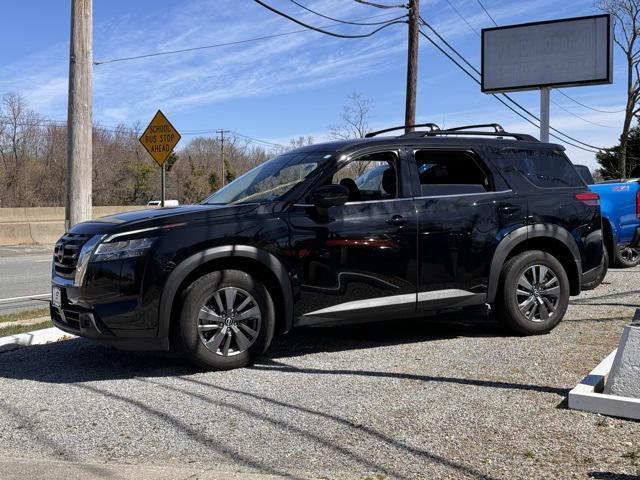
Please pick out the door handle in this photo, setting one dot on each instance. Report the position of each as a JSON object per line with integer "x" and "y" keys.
{"x": 397, "y": 220}
{"x": 508, "y": 208}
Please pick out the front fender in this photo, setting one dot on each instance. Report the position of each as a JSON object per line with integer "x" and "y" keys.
{"x": 180, "y": 273}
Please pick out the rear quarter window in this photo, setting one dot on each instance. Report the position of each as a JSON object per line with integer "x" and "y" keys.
{"x": 547, "y": 169}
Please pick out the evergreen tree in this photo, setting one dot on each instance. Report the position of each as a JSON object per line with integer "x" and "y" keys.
{"x": 229, "y": 172}
{"x": 608, "y": 160}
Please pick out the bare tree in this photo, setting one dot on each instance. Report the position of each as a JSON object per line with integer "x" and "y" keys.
{"x": 355, "y": 118}
{"x": 626, "y": 18}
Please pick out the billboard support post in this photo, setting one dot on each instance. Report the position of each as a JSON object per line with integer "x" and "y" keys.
{"x": 545, "y": 100}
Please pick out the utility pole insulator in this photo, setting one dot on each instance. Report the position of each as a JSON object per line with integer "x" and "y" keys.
{"x": 78, "y": 207}
{"x": 412, "y": 64}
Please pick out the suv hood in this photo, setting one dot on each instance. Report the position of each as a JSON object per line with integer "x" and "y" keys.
{"x": 157, "y": 217}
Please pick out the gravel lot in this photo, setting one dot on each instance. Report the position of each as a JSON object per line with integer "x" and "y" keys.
{"x": 450, "y": 397}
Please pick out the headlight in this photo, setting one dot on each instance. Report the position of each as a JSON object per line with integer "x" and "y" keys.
{"x": 123, "y": 249}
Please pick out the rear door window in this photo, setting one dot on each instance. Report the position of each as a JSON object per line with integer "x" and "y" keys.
{"x": 547, "y": 169}
{"x": 451, "y": 172}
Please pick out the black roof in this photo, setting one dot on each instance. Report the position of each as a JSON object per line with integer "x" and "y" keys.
{"x": 465, "y": 141}
{"x": 465, "y": 136}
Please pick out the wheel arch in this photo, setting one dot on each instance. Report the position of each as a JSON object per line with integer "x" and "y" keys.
{"x": 552, "y": 239}
{"x": 249, "y": 259}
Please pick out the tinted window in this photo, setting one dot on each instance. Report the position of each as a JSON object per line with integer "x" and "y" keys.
{"x": 547, "y": 169}
{"x": 585, "y": 173}
{"x": 369, "y": 178}
{"x": 270, "y": 180}
{"x": 450, "y": 172}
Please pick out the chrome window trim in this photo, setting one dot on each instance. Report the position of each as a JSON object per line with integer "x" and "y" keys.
{"x": 455, "y": 195}
{"x": 500, "y": 192}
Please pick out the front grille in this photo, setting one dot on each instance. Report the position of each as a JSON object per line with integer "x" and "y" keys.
{"x": 66, "y": 253}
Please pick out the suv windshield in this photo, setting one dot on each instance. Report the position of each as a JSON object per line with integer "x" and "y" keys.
{"x": 271, "y": 180}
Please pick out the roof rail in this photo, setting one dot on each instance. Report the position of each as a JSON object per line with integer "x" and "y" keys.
{"x": 432, "y": 126}
{"x": 470, "y": 133}
{"x": 496, "y": 126}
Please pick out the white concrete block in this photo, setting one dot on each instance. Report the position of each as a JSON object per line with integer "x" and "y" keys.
{"x": 588, "y": 396}
{"x": 624, "y": 378}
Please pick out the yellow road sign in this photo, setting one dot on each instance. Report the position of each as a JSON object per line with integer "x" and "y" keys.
{"x": 160, "y": 138}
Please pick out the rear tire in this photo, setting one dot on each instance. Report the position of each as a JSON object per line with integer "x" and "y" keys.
{"x": 534, "y": 293}
{"x": 227, "y": 320}
{"x": 627, "y": 257}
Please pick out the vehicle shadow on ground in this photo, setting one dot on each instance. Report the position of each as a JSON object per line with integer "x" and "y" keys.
{"x": 81, "y": 360}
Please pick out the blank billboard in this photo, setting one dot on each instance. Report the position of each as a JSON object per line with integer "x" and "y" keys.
{"x": 568, "y": 52}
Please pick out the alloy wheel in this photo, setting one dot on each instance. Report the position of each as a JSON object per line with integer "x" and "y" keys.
{"x": 630, "y": 254}
{"x": 229, "y": 321}
{"x": 538, "y": 293}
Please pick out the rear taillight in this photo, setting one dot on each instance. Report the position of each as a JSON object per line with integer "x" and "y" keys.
{"x": 589, "y": 198}
{"x": 638, "y": 204}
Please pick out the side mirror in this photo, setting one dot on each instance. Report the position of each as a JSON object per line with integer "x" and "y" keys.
{"x": 328, "y": 196}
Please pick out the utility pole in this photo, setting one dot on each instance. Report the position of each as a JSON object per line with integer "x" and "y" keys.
{"x": 222, "y": 133}
{"x": 78, "y": 206}
{"x": 412, "y": 64}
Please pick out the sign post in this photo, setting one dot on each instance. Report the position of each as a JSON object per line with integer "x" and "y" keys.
{"x": 159, "y": 139}
{"x": 545, "y": 100}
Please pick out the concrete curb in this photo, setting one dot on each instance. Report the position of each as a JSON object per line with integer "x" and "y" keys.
{"x": 37, "y": 337}
{"x": 588, "y": 396}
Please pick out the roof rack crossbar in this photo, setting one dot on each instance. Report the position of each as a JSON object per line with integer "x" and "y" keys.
{"x": 518, "y": 136}
{"x": 496, "y": 126}
{"x": 432, "y": 126}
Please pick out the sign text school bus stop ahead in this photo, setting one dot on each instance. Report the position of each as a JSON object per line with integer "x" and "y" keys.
{"x": 159, "y": 139}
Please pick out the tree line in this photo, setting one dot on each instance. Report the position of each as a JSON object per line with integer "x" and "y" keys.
{"x": 33, "y": 162}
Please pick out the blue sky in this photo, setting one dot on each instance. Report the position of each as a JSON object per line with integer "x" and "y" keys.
{"x": 285, "y": 87}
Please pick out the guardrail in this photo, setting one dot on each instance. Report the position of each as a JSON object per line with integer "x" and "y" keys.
{"x": 41, "y": 225}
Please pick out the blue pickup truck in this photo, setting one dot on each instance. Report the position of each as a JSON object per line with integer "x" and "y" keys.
{"x": 620, "y": 205}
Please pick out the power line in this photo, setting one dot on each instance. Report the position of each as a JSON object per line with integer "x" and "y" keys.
{"x": 581, "y": 118}
{"x": 225, "y": 44}
{"x": 379, "y": 5}
{"x": 504, "y": 95}
{"x": 559, "y": 90}
{"x": 587, "y": 106}
{"x": 487, "y": 12}
{"x": 346, "y": 22}
{"x": 590, "y": 147}
{"x": 257, "y": 140}
{"x": 116, "y": 129}
{"x": 321, "y": 30}
{"x": 464, "y": 19}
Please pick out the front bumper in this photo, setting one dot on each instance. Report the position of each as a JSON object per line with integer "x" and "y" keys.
{"x": 87, "y": 323}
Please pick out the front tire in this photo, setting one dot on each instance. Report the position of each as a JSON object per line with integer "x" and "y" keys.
{"x": 534, "y": 293}
{"x": 227, "y": 320}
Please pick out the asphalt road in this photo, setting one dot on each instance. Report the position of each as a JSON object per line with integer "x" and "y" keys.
{"x": 450, "y": 397}
{"x": 25, "y": 277}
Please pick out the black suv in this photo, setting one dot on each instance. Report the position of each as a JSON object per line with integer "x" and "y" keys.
{"x": 357, "y": 230}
